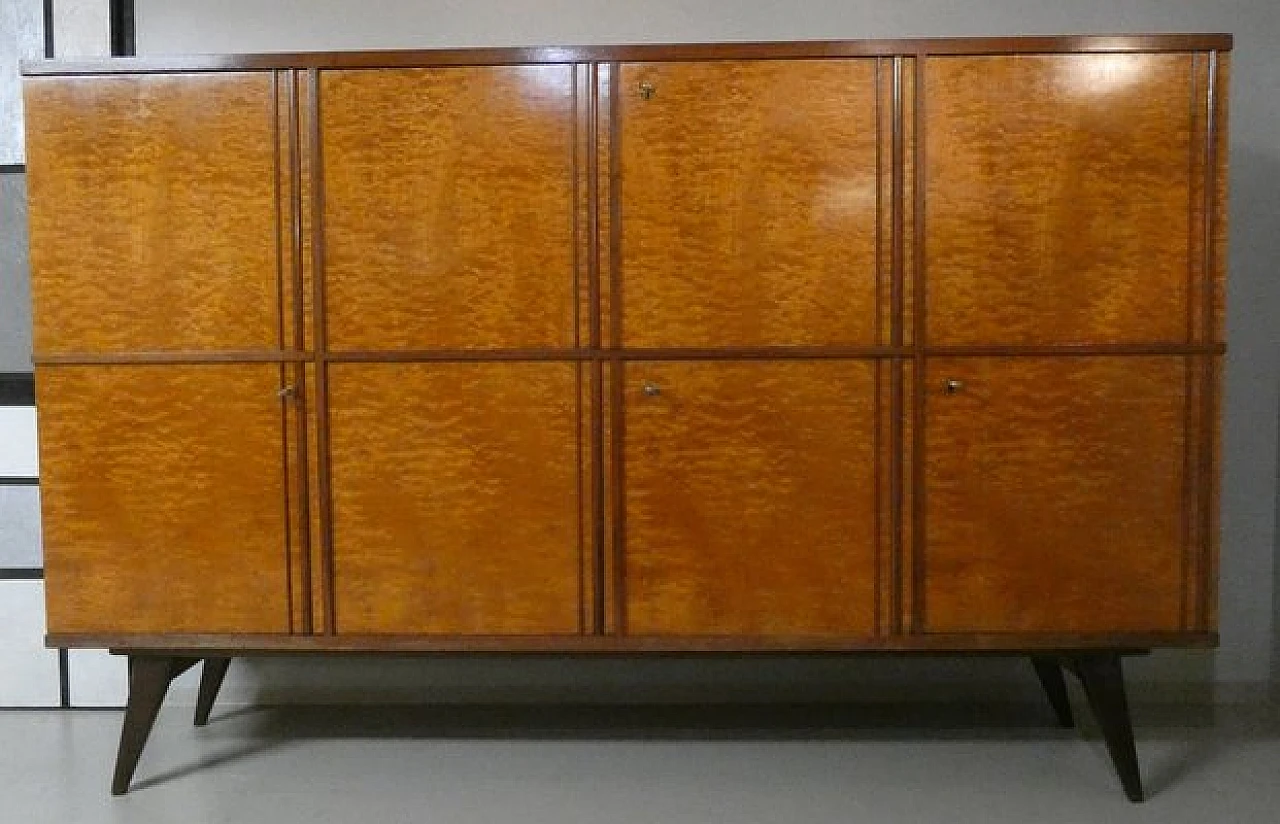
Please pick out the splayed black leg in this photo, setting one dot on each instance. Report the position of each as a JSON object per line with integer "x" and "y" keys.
{"x": 1049, "y": 671}
{"x": 211, "y": 675}
{"x": 1103, "y": 681}
{"x": 149, "y": 678}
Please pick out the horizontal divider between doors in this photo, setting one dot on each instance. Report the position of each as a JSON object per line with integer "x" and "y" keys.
{"x": 588, "y": 354}
{"x": 1053, "y": 350}
{"x": 592, "y": 354}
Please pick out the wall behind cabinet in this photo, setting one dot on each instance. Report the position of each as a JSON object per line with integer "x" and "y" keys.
{"x": 1249, "y": 503}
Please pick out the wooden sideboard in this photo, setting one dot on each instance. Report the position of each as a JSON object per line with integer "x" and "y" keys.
{"x": 792, "y": 347}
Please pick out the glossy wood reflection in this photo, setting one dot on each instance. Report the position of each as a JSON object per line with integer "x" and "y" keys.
{"x": 471, "y": 271}
{"x": 1054, "y": 494}
{"x": 163, "y": 496}
{"x": 748, "y": 202}
{"x": 153, "y": 215}
{"x": 1057, "y": 198}
{"x": 448, "y": 207}
{"x": 750, "y": 498}
{"x": 455, "y": 498}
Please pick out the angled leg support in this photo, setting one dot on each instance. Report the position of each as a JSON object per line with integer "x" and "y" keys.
{"x": 1103, "y": 681}
{"x": 1049, "y": 670}
{"x": 149, "y": 679}
{"x": 211, "y": 675}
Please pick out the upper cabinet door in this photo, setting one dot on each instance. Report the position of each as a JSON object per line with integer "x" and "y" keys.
{"x": 153, "y": 212}
{"x": 1058, "y": 192}
{"x": 748, "y": 203}
{"x": 449, "y": 214}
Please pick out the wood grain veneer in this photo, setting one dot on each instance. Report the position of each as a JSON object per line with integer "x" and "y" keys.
{"x": 153, "y": 213}
{"x": 455, "y": 498}
{"x": 1054, "y": 495}
{"x": 748, "y": 203}
{"x": 1056, "y": 198}
{"x": 750, "y": 498}
{"x": 162, "y": 489}
{"x": 906, "y": 346}
{"x": 449, "y": 207}
{"x": 467, "y": 262}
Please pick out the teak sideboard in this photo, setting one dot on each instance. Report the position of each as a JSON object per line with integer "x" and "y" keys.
{"x": 811, "y": 347}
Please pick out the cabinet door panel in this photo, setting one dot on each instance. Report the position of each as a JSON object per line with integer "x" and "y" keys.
{"x": 455, "y": 498}
{"x": 750, "y": 498}
{"x": 748, "y": 202}
{"x": 1054, "y": 491}
{"x": 153, "y": 212}
{"x": 1058, "y": 191}
{"x": 163, "y": 496}
{"x": 449, "y": 207}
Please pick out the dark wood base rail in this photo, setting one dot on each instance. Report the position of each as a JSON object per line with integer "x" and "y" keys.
{"x": 1100, "y": 673}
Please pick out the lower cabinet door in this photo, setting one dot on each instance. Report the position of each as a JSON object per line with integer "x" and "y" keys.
{"x": 163, "y": 493}
{"x": 456, "y": 498}
{"x": 1054, "y": 494}
{"x": 750, "y": 498}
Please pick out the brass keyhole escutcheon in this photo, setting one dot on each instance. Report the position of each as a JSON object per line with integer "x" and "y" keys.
{"x": 953, "y": 386}
{"x": 647, "y": 90}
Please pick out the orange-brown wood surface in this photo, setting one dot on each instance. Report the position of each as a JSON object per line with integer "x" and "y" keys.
{"x": 750, "y": 498}
{"x": 368, "y": 234}
{"x": 1054, "y": 494}
{"x": 153, "y": 212}
{"x": 455, "y": 498}
{"x": 449, "y": 207}
{"x": 748, "y": 202}
{"x": 1057, "y": 198}
{"x": 162, "y": 490}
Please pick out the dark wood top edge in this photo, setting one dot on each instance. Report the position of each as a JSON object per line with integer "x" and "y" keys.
{"x": 650, "y": 52}
{"x": 580, "y": 644}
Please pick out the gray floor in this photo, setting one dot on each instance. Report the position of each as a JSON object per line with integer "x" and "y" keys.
{"x": 740, "y": 764}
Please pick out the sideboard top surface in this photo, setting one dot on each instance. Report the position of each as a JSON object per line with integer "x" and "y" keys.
{"x": 650, "y": 52}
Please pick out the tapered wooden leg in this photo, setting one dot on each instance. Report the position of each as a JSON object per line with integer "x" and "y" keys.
{"x": 1049, "y": 671}
{"x": 149, "y": 678}
{"x": 211, "y": 675}
{"x": 1103, "y": 682}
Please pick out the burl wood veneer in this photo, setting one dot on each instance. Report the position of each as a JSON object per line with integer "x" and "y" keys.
{"x": 791, "y": 347}
{"x": 449, "y": 207}
{"x": 448, "y": 477}
{"x": 177, "y": 469}
{"x": 154, "y": 223}
{"x": 747, "y": 198}
{"x": 750, "y": 498}
{"x": 1067, "y": 220}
